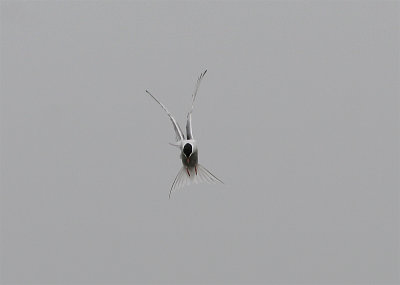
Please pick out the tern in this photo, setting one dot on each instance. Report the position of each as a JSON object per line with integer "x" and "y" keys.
{"x": 191, "y": 170}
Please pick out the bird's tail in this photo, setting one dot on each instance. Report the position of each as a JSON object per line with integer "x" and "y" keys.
{"x": 188, "y": 176}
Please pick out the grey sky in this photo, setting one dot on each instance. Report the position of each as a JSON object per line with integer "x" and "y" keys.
{"x": 298, "y": 114}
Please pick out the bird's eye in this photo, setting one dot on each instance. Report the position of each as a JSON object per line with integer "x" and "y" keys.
{"x": 187, "y": 149}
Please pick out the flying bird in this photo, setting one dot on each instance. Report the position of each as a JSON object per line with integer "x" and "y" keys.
{"x": 191, "y": 171}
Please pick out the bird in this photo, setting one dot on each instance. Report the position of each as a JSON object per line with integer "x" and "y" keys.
{"x": 191, "y": 171}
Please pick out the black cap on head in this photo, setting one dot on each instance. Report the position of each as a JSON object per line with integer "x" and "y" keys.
{"x": 187, "y": 149}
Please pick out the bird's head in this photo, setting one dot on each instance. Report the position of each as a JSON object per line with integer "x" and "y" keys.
{"x": 187, "y": 150}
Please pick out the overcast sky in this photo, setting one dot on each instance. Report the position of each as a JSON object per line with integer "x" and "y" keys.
{"x": 298, "y": 114}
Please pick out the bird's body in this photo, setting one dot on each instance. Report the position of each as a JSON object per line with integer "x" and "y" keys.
{"x": 191, "y": 170}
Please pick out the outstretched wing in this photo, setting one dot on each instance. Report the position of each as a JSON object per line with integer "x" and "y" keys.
{"x": 205, "y": 175}
{"x": 189, "y": 133}
{"x": 178, "y": 131}
{"x": 188, "y": 176}
{"x": 182, "y": 179}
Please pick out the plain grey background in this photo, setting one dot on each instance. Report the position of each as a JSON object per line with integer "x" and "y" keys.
{"x": 298, "y": 114}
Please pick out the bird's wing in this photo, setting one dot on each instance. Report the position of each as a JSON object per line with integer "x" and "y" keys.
{"x": 189, "y": 133}
{"x": 178, "y": 131}
{"x": 188, "y": 176}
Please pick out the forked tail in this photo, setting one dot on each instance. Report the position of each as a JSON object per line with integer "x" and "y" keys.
{"x": 188, "y": 176}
